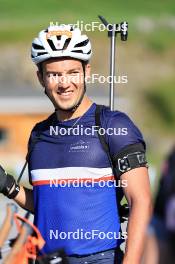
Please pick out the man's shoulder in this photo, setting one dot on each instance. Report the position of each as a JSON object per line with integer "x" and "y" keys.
{"x": 123, "y": 131}
{"x": 44, "y": 124}
{"x": 115, "y": 117}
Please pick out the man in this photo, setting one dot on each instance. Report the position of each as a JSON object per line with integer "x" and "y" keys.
{"x": 161, "y": 231}
{"x": 81, "y": 219}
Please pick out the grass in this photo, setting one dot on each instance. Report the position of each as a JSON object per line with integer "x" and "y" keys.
{"x": 161, "y": 100}
{"x": 158, "y": 41}
{"x": 20, "y": 20}
{"x": 87, "y": 10}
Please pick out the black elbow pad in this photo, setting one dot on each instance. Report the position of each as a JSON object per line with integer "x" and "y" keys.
{"x": 131, "y": 157}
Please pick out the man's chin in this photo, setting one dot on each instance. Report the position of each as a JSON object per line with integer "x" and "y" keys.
{"x": 64, "y": 107}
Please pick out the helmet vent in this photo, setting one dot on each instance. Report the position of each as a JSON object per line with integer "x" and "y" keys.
{"x": 36, "y": 46}
{"x": 58, "y": 37}
{"x": 42, "y": 53}
{"x": 81, "y": 44}
{"x": 50, "y": 42}
{"x": 66, "y": 43}
{"x": 77, "y": 51}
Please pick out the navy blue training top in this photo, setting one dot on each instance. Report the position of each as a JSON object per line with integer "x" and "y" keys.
{"x": 73, "y": 185}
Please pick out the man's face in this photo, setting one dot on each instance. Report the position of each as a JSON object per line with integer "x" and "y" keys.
{"x": 63, "y": 80}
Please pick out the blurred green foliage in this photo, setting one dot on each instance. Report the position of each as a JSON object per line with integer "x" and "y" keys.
{"x": 20, "y": 19}
{"x": 161, "y": 100}
{"x": 88, "y": 9}
{"x": 160, "y": 41}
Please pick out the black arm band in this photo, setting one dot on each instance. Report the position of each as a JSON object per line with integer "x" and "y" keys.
{"x": 11, "y": 185}
{"x": 130, "y": 157}
{"x": 10, "y": 181}
{"x": 14, "y": 193}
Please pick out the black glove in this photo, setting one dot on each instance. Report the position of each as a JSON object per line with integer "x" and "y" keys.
{"x": 7, "y": 183}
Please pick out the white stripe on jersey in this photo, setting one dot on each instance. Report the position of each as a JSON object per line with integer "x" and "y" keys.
{"x": 70, "y": 173}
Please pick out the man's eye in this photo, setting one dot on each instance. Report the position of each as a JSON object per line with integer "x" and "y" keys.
{"x": 74, "y": 72}
{"x": 53, "y": 75}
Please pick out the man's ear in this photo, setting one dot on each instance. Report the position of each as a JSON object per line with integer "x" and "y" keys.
{"x": 40, "y": 78}
{"x": 88, "y": 70}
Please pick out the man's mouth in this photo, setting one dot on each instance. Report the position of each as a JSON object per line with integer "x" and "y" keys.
{"x": 65, "y": 93}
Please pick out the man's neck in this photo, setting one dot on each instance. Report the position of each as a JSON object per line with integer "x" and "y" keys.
{"x": 82, "y": 108}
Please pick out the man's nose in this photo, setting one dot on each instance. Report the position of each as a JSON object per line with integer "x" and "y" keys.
{"x": 64, "y": 81}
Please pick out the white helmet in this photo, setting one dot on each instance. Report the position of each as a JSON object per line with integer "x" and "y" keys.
{"x": 61, "y": 41}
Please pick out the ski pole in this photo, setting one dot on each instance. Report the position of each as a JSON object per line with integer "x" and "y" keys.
{"x": 113, "y": 30}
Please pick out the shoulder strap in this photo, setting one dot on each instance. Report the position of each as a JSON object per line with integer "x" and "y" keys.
{"x": 105, "y": 146}
{"x": 98, "y": 124}
{"x": 102, "y": 137}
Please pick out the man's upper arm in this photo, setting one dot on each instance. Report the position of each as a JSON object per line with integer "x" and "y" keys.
{"x": 129, "y": 156}
{"x": 127, "y": 146}
{"x": 138, "y": 185}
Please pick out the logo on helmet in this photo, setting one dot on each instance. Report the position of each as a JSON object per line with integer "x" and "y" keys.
{"x": 58, "y": 33}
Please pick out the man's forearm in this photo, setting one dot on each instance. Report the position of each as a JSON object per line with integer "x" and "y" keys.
{"x": 10, "y": 188}
{"x": 25, "y": 199}
{"x": 138, "y": 221}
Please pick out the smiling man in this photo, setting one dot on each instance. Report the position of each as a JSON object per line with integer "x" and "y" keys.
{"x": 84, "y": 219}
{"x": 62, "y": 80}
